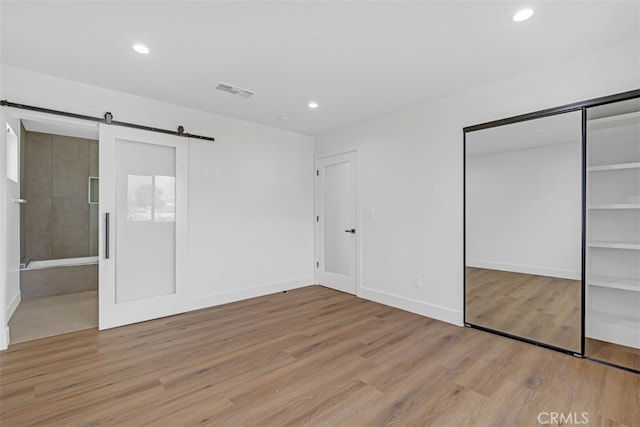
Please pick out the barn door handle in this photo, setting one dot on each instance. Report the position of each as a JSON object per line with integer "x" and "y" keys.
{"x": 106, "y": 235}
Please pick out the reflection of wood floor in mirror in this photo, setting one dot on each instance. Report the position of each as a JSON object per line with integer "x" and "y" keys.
{"x": 540, "y": 308}
{"x": 613, "y": 353}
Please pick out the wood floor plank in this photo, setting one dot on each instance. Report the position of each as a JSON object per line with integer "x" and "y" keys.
{"x": 312, "y": 356}
{"x": 541, "y": 308}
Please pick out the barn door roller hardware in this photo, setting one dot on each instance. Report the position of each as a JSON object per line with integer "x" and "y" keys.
{"x": 107, "y": 119}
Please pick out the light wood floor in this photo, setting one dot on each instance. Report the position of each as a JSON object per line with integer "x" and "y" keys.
{"x": 312, "y": 356}
{"x": 541, "y": 308}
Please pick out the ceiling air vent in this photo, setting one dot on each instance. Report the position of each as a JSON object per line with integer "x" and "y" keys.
{"x": 234, "y": 90}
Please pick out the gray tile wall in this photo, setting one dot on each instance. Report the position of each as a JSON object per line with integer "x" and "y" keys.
{"x": 94, "y": 208}
{"x": 57, "y": 218}
{"x": 36, "y": 189}
{"x": 47, "y": 282}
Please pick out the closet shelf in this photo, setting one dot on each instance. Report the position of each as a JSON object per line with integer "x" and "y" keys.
{"x": 612, "y": 125}
{"x": 614, "y": 245}
{"x": 613, "y": 327}
{"x": 615, "y": 118}
{"x": 616, "y": 206}
{"x": 615, "y": 318}
{"x": 614, "y": 283}
{"x": 604, "y": 133}
{"x": 616, "y": 166}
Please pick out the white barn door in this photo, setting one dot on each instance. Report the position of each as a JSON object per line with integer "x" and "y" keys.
{"x": 143, "y": 233}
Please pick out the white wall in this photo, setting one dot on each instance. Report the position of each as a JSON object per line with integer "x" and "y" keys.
{"x": 251, "y": 192}
{"x": 254, "y": 221}
{"x": 410, "y": 170}
{"x": 524, "y": 210}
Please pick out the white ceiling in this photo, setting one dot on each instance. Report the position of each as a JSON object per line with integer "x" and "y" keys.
{"x": 358, "y": 60}
{"x": 86, "y": 131}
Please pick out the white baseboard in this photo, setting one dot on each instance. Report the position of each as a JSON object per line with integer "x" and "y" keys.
{"x": 196, "y": 303}
{"x": 4, "y": 339}
{"x": 429, "y": 310}
{"x": 13, "y": 304}
{"x": 526, "y": 269}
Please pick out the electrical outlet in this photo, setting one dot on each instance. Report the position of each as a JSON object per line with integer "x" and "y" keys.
{"x": 211, "y": 172}
{"x": 417, "y": 281}
{"x": 222, "y": 275}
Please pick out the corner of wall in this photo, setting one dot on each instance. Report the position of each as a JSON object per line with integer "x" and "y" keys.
{"x": 212, "y": 300}
{"x": 13, "y": 304}
{"x": 433, "y": 311}
{"x": 4, "y": 338}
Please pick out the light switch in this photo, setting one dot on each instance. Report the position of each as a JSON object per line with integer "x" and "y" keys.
{"x": 417, "y": 281}
{"x": 372, "y": 212}
{"x": 211, "y": 172}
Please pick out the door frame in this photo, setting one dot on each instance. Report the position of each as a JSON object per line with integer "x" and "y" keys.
{"x": 12, "y": 301}
{"x": 4, "y": 326}
{"x": 6, "y": 115}
{"x": 316, "y": 213}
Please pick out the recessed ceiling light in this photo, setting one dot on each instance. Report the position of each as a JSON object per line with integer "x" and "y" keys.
{"x": 313, "y": 105}
{"x": 523, "y": 15}
{"x": 140, "y": 48}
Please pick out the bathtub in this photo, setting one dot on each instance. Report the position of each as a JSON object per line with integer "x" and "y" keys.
{"x": 58, "y": 277}
{"x": 47, "y": 263}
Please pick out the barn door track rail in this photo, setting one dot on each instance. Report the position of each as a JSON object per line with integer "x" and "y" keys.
{"x": 107, "y": 119}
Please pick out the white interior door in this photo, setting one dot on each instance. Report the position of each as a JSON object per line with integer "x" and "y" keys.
{"x": 143, "y": 238}
{"x": 14, "y": 203}
{"x": 336, "y": 222}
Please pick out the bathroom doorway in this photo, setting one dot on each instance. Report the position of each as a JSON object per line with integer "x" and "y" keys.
{"x": 58, "y": 231}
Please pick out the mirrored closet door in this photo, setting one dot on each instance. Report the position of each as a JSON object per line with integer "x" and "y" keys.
{"x": 612, "y": 327}
{"x": 523, "y": 228}
{"x": 552, "y": 228}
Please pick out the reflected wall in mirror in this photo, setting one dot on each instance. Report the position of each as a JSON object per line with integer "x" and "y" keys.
{"x": 523, "y": 229}
{"x": 613, "y": 234}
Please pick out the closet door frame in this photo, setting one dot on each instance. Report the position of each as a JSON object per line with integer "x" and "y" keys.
{"x": 577, "y": 106}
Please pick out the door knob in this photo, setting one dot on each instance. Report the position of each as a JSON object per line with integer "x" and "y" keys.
{"x": 351, "y": 230}
{"x": 22, "y": 201}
